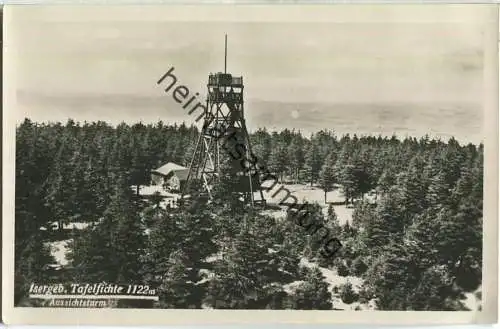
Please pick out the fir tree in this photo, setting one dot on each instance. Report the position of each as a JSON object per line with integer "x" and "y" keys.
{"x": 347, "y": 294}
{"x": 438, "y": 191}
{"x": 296, "y": 157}
{"x": 313, "y": 294}
{"x": 424, "y": 232}
{"x": 421, "y": 240}
{"x": 58, "y": 196}
{"x": 278, "y": 160}
{"x": 332, "y": 220}
{"x": 385, "y": 182}
{"x": 435, "y": 291}
{"x": 459, "y": 241}
{"x": 411, "y": 189}
{"x": 326, "y": 175}
{"x": 312, "y": 163}
{"x": 347, "y": 178}
{"x": 244, "y": 277}
{"x": 390, "y": 277}
{"x": 177, "y": 290}
{"x": 386, "y": 225}
{"x": 112, "y": 250}
{"x": 32, "y": 256}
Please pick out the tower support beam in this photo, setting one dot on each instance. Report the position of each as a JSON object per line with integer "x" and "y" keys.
{"x": 224, "y": 115}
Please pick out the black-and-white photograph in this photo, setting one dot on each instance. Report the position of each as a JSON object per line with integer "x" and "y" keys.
{"x": 166, "y": 161}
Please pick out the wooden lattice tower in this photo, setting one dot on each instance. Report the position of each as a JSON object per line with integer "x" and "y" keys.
{"x": 223, "y": 133}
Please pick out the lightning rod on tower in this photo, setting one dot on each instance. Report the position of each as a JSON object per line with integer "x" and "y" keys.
{"x": 225, "y": 54}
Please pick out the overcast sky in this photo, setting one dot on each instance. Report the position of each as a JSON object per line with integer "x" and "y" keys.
{"x": 356, "y": 54}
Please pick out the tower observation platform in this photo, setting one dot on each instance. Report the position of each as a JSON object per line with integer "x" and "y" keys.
{"x": 224, "y": 140}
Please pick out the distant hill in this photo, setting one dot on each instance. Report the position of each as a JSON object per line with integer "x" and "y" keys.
{"x": 462, "y": 121}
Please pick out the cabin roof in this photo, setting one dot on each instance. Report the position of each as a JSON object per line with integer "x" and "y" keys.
{"x": 170, "y": 167}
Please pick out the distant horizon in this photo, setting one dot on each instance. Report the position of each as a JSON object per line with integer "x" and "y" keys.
{"x": 364, "y": 70}
{"x": 305, "y": 135}
{"x": 443, "y": 120}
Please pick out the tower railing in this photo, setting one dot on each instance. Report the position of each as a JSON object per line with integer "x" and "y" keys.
{"x": 231, "y": 97}
{"x": 224, "y": 80}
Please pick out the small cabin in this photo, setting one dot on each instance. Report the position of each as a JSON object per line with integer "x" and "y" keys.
{"x": 172, "y": 176}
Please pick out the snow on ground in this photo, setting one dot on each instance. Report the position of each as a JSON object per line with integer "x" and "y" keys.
{"x": 278, "y": 214}
{"x": 168, "y": 203}
{"x": 301, "y": 192}
{"x": 58, "y": 250}
{"x": 149, "y": 190}
{"x": 344, "y": 213}
{"x": 332, "y": 278}
{"x": 75, "y": 226}
{"x": 471, "y": 301}
{"x": 335, "y": 280}
{"x": 169, "y": 200}
{"x": 307, "y": 193}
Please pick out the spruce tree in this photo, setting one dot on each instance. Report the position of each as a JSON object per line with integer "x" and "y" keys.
{"x": 459, "y": 243}
{"x": 391, "y": 276}
{"x": 421, "y": 239}
{"x": 296, "y": 156}
{"x": 247, "y": 274}
{"x": 59, "y": 190}
{"x": 348, "y": 180}
{"x": 92, "y": 202}
{"x": 196, "y": 232}
{"x": 313, "y": 294}
{"x": 363, "y": 214}
{"x": 411, "y": 189}
{"x": 385, "y": 182}
{"x": 139, "y": 174}
{"x": 385, "y": 226}
{"x": 327, "y": 175}
{"x": 112, "y": 250}
{"x": 347, "y": 294}
{"x": 32, "y": 256}
{"x": 176, "y": 289}
{"x": 438, "y": 191}
{"x": 312, "y": 162}
{"x": 434, "y": 291}
{"x": 278, "y": 160}
{"x": 225, "y": 192}
{"x": 463, "y": 189}
{"x": 332, "y": 220}
{"x": 238, "y": 280}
